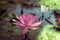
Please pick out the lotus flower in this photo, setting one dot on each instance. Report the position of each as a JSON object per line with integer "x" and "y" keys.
{"x": 25, "y": 21}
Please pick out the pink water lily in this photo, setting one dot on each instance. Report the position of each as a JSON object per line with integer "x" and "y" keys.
{"x": 26, "y": 21}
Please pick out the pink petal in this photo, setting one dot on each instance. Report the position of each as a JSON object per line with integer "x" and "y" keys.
{"x": 33, "y": 28}
{"x": 19, "y": 24}
{"x": 36, "y": 24}
{"x": 25, "y": 17}
{"x": 16, "y": 22}
{"x": 32, "y": 19}
{"x": 13, "y": 20}
{"x": 25, "y": 30}
{"x": 21, "y": 19}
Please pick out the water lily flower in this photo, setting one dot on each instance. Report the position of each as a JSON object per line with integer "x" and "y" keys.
{"x": 26, "y": 21}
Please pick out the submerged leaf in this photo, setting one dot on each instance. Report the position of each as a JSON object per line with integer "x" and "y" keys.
{"x": 48, "y": 21}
